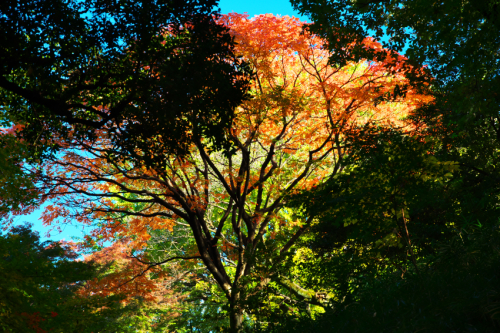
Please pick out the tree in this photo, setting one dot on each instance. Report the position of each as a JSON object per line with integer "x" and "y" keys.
{"x": 385, "y": 215}
{"x": 458, "y": 41}
{"x": 459, "y": 293}
{"x": 362, "y": 244}
{"x": 143, "y": 69}
{"x": 223, "y": 215}
{"x": 39, "y": 287}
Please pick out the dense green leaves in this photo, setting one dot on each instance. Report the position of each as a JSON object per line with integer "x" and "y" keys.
{"x": 151, "y": 74}
{"x": 390, "y": 179}
{"x": 38, "y": 284}
{"x": 403, "y": 200}
{"x": 16, "y": 186}
{"x": 458, "y": 39}
{"x": 458, "y": 293}
{"x": 398, "y": 234}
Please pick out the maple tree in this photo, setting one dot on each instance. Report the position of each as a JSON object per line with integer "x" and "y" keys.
{"x": 222, "y": 215}
{"x": 146, "y": 303}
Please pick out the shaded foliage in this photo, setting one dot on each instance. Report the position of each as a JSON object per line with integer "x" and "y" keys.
{"x": 39, "y": 284}
{"x": 459, "y": 43}
{"x": 17, "y": 189}
{"x": 403, "y": 241}
{"x": 459, "y": 292}
{"x": 443, "y": 181}
{"x": 142, "y": 70}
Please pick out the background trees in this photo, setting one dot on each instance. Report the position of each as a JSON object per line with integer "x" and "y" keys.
{"x": 39, "y": 288}
{"x": 445, "y": 210}
{"x": 458, "y": 41}
{"x": 222, "y": 213}
{"x": 458, "y": 293}
{"x": 17, "y": 190}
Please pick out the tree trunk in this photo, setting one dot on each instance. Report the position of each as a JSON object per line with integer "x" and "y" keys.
{"x": 235, "y": 315}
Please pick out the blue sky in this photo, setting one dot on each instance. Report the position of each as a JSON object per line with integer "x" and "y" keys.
{"x": 254, "y": 7}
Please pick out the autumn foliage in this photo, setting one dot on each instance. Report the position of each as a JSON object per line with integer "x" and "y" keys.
{"x": 224, "y": 211}
{"x": 128, "y": 276}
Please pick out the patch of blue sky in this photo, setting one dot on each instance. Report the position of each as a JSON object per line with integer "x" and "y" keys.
{"x": 258, "y": 7}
